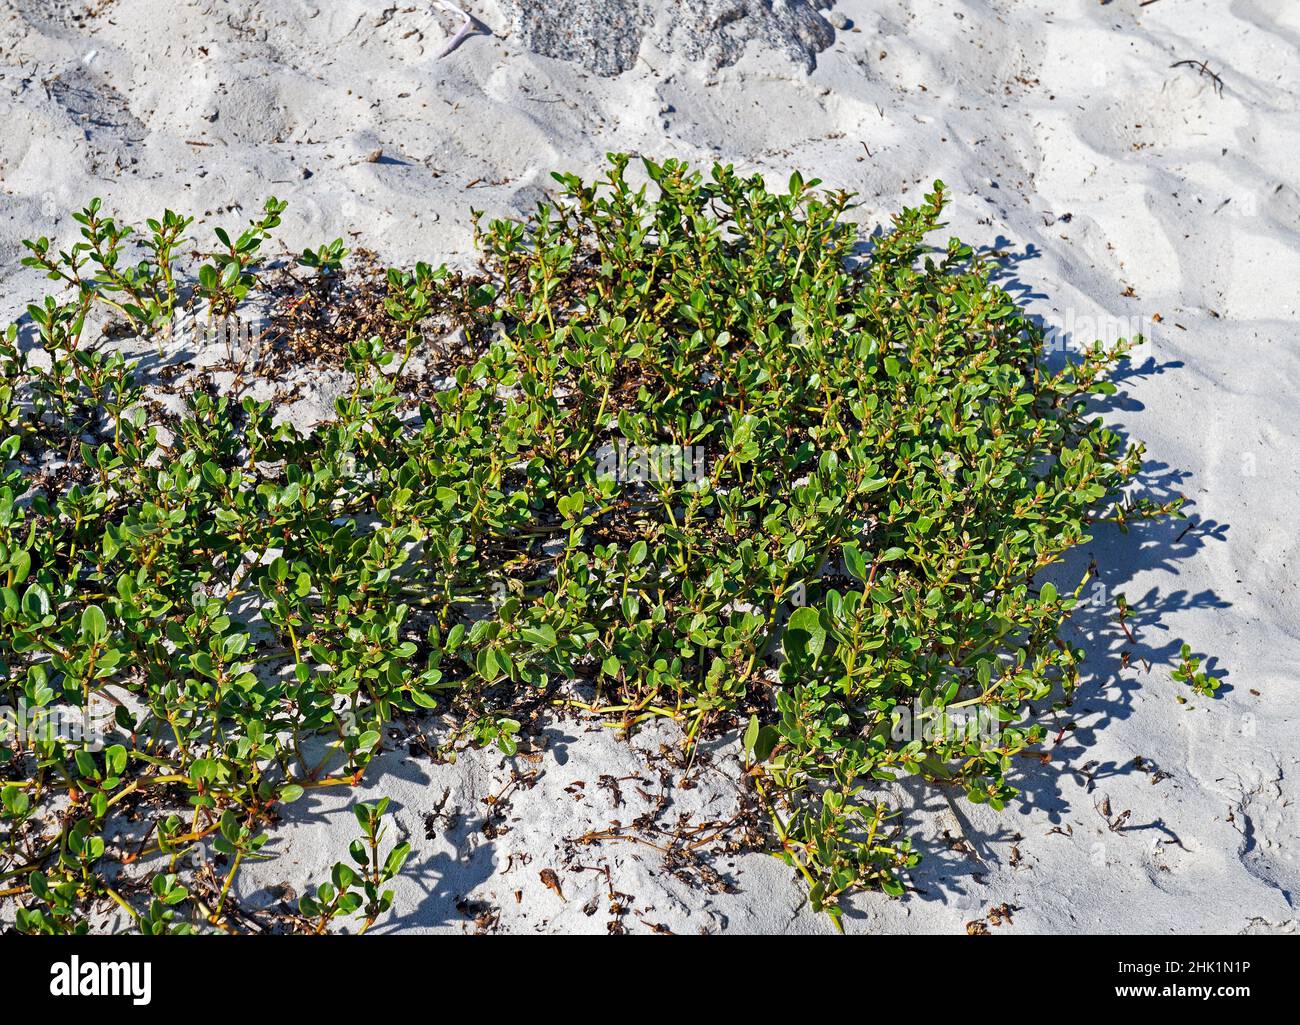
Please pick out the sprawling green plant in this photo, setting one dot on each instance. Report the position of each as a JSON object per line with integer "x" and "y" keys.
{"x": 871, "y": 467}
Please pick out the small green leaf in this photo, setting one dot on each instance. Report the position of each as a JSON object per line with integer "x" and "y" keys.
{"x": 94, "y": 627}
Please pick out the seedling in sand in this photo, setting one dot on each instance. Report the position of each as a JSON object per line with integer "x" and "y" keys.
{"x": 1189, "y": 671}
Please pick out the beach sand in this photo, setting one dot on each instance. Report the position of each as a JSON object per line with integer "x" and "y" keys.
{"x": 1124, "y": 195}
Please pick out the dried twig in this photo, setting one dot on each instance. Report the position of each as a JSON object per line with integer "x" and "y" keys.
{"x": 1203, "y": 68}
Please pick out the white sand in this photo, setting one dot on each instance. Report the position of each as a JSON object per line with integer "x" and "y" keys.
{"x": 1120, "y": 189}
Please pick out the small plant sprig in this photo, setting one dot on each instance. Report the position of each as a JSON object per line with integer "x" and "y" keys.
{"x": 1189, "y": 671}
{"x": 499, "y": 730}
{"x": 359, "y": 888}
{"x": 228, "y": 278}
{"x": 159, "y": 919}
{"x": 326, "y": 259}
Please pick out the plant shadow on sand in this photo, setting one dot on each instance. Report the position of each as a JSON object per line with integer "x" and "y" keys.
{"x": 446, "y": 879}
{"x": 435, "y": 880}
{"x": 1119, "y": 655}
{"x": 484, "y": 817}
